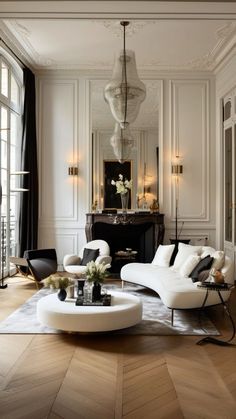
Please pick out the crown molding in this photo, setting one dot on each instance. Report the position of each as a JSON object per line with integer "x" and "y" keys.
{"x": 19, "y": 36}
{"x": 15, "y": 45}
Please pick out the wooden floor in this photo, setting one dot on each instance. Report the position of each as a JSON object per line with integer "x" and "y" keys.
{"x": 106, "y": 377}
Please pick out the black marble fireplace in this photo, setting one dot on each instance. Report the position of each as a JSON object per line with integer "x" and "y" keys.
{"x": 139, "y": 232}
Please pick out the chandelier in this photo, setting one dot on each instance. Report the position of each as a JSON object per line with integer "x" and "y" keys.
{"x": 122, "y": 143}
{"x": 125, "y": 91}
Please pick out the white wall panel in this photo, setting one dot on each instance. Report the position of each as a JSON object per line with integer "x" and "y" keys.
{"x": 65, "y": 241}
{"x": 58, "y": 116}
{"x": 190, "y": 140}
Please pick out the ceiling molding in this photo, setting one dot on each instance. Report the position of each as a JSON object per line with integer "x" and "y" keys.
{"x": 19, "y": 35}
{"x": 115, "y": 9}
{"x": 15, "y": 45}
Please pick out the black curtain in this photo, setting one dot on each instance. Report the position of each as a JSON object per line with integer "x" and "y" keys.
{"x": 28, "y": 219}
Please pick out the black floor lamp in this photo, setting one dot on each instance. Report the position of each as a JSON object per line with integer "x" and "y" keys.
{"x": 177, "y": 170}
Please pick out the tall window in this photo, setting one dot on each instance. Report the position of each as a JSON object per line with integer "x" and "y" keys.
{"x": 10, "y": 125}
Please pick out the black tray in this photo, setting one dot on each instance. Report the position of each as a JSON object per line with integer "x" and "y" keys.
{"x": 215, "y": 286}
{"x": 105, "y": 301}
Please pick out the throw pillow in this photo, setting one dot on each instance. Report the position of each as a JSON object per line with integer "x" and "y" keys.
{"x": 204, "y": 275}
{"x": 176, "y": 243}
{"x": 219, "y": 260}
{"x": 207, "y": 251}
{"x": 189, "y": 265}
{"x": 184, "y": 251}
{"x": 201, "y": 266}
{"x": 163, "y": 255}
{"x": 89, "y": 255}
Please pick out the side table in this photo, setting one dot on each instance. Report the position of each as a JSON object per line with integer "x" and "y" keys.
{"x": 219, "y": 288}
{"x": 122, "y": 257}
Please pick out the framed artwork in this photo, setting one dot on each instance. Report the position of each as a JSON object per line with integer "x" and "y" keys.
{"x": 111, "y": 170}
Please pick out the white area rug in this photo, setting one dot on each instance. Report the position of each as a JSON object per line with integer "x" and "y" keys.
{"x": 156, "y": 317}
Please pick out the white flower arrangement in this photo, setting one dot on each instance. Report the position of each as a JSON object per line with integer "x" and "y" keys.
{"x": 57, "y": 282}
{"x": 122, "y": 186}
{"x": 96, "y": 272}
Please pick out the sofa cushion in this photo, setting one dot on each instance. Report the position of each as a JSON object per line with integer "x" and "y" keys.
{"x": 184, "y": 251}
{"x": 204, "y": 264}
{"x": 219, "y": 260}
{"x": 207, "y": 251}
{"x": 163, "y": 255}
{"x": 89, "y": 255}
{"x": 189, "y": 265}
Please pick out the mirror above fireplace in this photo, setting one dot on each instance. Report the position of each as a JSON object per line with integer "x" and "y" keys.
{"x": 146, "y": 133}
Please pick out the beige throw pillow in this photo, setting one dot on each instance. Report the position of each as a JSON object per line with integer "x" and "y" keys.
{"x": 219, "y": 260}
{"x": 188, "y": 266}
{"x": 184, "y": 250}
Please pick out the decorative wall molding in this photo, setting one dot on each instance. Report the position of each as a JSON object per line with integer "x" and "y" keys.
{"x": 58, "y": 148}
{"x": 191, "y": 98}
{"x": 65, "y": 242}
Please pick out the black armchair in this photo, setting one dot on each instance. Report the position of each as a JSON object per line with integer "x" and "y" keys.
{"x": 41, "y": 263}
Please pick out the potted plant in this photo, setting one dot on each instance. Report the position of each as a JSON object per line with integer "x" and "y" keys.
{"x": 60, "y": 283}
{"x": 96, "y": 273}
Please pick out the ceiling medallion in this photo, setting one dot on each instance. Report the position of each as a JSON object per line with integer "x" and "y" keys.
{"x": 135, "y": 25}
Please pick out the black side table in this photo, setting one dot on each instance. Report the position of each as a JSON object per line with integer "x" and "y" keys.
{"x": 219, "y": 288}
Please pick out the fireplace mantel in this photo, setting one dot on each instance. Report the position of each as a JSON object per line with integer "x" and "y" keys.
{"x": 140, "y": 231}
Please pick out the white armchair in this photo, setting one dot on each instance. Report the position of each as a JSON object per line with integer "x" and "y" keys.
{"x": 72, "y": 263}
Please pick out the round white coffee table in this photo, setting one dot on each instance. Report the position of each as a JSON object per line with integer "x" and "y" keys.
{"x": 125, "y": 311}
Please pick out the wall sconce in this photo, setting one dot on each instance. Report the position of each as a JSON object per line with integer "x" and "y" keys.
{"x": 73, "y": 171}
{"x": 177, "y": 169}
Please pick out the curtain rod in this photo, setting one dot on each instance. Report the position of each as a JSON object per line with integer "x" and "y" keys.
{"x": 13, "y": 53}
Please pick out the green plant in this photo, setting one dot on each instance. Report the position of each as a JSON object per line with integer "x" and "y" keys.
{"x": 57, "y": 282}
{"x": 96, "y": 272}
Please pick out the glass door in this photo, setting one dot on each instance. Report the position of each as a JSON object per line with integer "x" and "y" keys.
{"x": 10, "y": 142}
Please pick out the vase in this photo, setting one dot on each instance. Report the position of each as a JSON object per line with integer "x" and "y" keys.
{"x": 96, "y": 291}
{"x": 124, "y": 201}
{"x": 62, "y": 294}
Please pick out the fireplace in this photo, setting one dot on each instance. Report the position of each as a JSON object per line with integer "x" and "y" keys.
{"x": 139, "y": 232}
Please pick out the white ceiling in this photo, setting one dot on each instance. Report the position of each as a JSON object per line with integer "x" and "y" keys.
{"x": 189, "y": 45}
{"x": 91, "y": 44}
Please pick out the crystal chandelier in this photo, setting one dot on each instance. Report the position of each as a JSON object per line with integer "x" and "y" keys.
{"x": 122, "y": 143}
{"x": 125, "y": 92}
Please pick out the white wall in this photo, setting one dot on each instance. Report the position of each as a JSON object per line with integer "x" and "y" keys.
{"x": 187, "y": 124}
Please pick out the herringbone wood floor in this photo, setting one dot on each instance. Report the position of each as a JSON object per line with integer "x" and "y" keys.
{"x": 106, "y": 377}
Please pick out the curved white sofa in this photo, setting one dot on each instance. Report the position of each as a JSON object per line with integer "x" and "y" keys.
{"x": 176, "y": 290}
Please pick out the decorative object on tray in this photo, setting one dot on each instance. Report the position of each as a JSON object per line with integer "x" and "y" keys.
{"x": 96, "y": 273}
{"x": 60, "y": 283}
{"x": 105, "y": 300}
{"x": 123, "y": 187}
{"x": 217, "y": 276}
